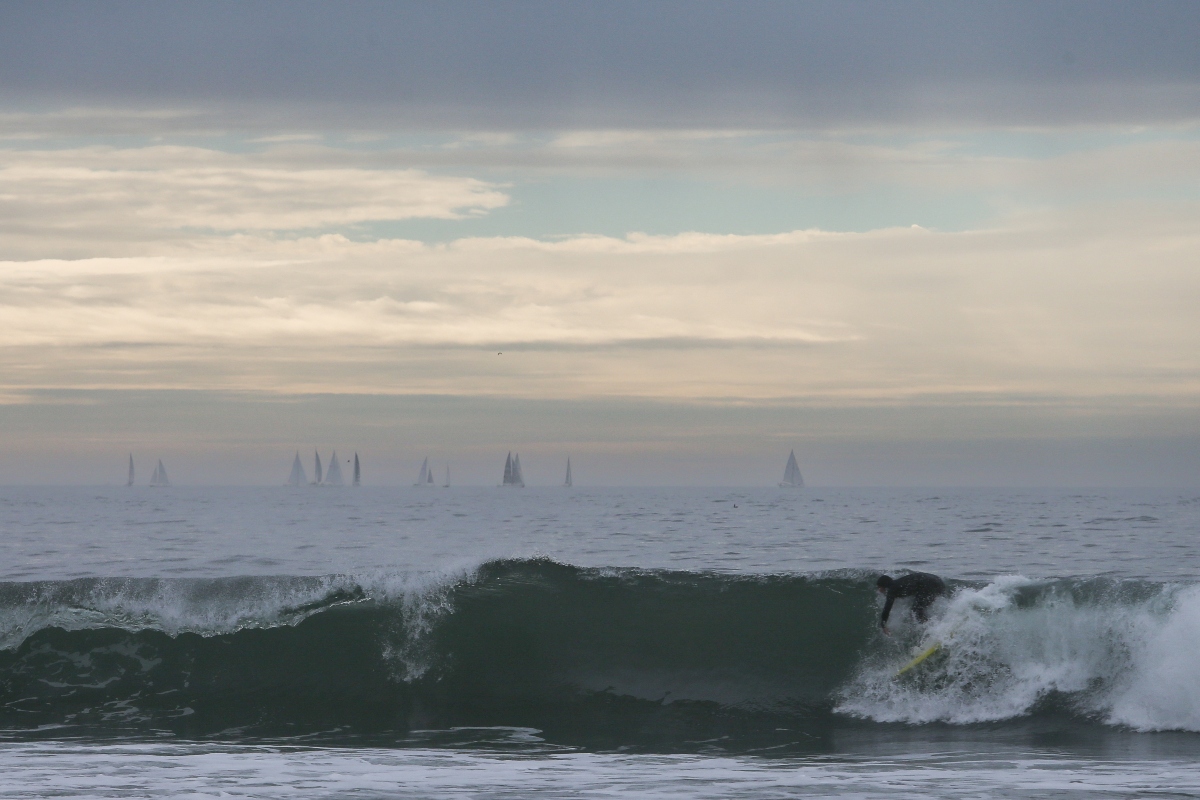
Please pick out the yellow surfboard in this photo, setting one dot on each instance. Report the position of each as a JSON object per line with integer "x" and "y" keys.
{"x": 924, "y": 654}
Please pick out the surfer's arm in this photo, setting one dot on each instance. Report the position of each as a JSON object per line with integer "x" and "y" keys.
{"x": 887, "y": 610}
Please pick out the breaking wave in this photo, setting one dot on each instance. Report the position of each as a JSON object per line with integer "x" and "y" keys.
{"x": 618, "y": 657}
{"x": 1116, "y": 652}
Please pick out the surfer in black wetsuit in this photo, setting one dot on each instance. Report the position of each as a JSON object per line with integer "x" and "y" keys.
{"x": 922, "y": 587}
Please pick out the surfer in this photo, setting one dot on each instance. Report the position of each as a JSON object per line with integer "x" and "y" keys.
{"x": 922, "y": 587}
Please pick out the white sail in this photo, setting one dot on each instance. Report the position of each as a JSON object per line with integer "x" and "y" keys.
{"x": 297, "y": 478}
{"x": 159, "y": 478}
{"x": 429, "y": 478}
{"x": 357, "y": 472}
{"x": 446, "y": 485}
{"x": 791, "y": 473}
{"x": 130, "y": 481}
{"x": 512, "y": 471}
{"x": 333, "y": 476}
{"x": 423, "y": 478}
{"x": 317, "y": 474}
{"x": 568, "y": 481}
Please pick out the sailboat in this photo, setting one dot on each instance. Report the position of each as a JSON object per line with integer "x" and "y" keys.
{"x": 512, "y": 472}
{"x": 130, "y": 481}
{"x": 297, "y": 478}
{"x": 357, "y": 472}
{"x": 425, "y": 478}
{"x": 568, "y": 481}
{"x": 791, "y": 473}
{"x": 159, "y": 478}
{"x": 333, "y": 477}
{"x": 317, "y": 469}
{"x": 446, "y": 485}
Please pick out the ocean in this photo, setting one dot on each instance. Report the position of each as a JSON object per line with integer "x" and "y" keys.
{"x": 321, "y": 642}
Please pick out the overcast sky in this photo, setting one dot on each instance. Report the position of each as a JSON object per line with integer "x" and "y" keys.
{"x": 920, "y": 243}
{"x": 639, "y": 64}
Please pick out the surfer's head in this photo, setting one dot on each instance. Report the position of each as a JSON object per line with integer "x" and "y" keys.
{"x": 884, "y": 583}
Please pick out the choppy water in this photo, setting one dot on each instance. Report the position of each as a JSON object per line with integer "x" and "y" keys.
{"x": 488, "y": 642}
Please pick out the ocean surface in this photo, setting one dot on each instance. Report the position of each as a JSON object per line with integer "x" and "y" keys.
{"x": 492, "y": 643}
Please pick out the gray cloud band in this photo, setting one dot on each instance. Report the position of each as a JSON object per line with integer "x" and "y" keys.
{"x": 558, "y": 65}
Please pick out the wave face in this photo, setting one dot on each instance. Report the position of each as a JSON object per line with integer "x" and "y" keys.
{"x": 604, "y": 658}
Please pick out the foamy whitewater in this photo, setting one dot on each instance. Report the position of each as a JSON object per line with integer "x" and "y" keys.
{"x": 321, "y": 642}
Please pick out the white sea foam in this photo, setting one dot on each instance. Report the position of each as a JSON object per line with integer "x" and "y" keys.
{"x": 67, "y": 770}
{"x": 423, "y": 599}
{"x": 1129, "y": 661}
{"x": 1161, "y": 691}
{"x": 211, "y": 607}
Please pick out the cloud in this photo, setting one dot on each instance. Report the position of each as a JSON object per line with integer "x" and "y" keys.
{"x": 1045, "y": 307}
{"x": 73, "y": 121}
{"x": 169, "y": 266}
{"x": 134, "y": 194}
{"x": 667, "y": 64}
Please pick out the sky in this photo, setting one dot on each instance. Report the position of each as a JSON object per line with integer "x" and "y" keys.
{"x": 921, "y": 243}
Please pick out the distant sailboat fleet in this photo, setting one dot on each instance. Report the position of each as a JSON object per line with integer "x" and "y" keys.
{"x": 792, "y": 479}
{"x": 330, "y": 477}
{"x": 157, "y": 478}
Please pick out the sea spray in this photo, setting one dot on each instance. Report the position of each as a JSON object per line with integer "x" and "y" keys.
{"x": 207, "y": 607}
{"x": 423, "y": 600}
{"x": 1161, "y": 690}
{"x": 1015, "y": 644}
